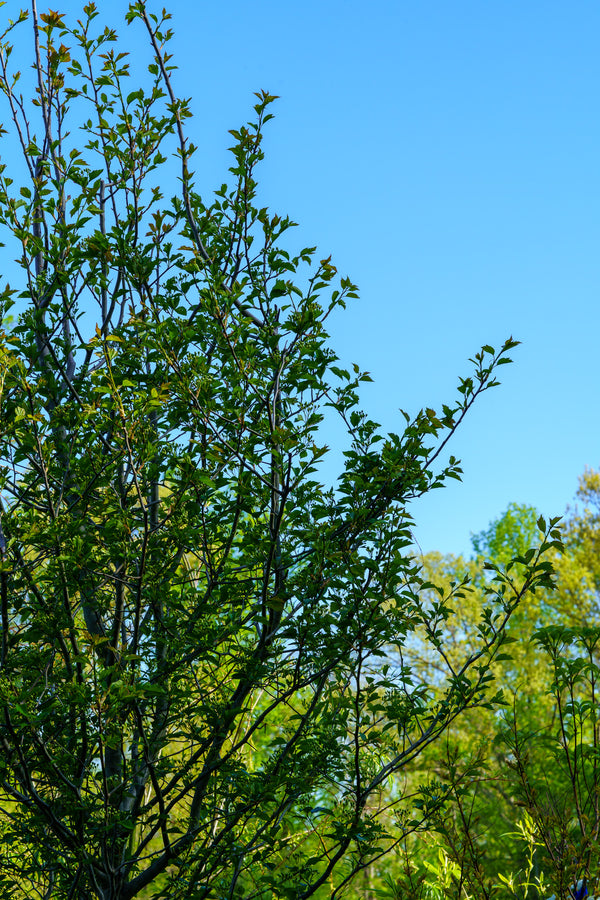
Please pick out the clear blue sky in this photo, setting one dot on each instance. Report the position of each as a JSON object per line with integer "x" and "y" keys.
{"x": 447, "y": 154}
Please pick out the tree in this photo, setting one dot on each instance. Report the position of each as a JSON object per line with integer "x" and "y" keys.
{"x": 555, "y": 766}
{"x": 578, "y": 569}
{"x": 471, "y": 841}
{"x": 554, "y": 754}
{"x": 525, "y": 823}
{"x": 202, "y": 689}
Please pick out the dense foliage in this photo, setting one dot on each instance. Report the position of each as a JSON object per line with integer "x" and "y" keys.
{"x": 209, "y": 680}
{"x": 525, "y": 822}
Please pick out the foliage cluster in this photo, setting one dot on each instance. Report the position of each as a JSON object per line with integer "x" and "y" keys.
{"x": 526, "y": 823}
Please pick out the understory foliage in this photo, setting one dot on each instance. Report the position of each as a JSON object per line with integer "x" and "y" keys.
{"x": 526, "y": 822}
{"x": 205, "y": 686}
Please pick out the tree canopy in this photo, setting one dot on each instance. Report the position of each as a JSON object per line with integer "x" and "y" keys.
{"x": 204, "y": 687}
{"x": 524, "y": 823}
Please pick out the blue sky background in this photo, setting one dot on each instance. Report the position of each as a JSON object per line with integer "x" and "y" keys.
{"x": 447, "y": 156}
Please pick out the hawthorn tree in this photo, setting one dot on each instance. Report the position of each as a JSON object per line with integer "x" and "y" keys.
{"x": 202, "y": 687}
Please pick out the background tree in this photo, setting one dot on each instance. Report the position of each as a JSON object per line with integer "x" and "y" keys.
{"x": 553, "y": 755}
{"x": 467, "y": 843}
{"x": 203, "y": 690}
{"x": 579, "y": 566}
{"x": 525, "y": 822}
